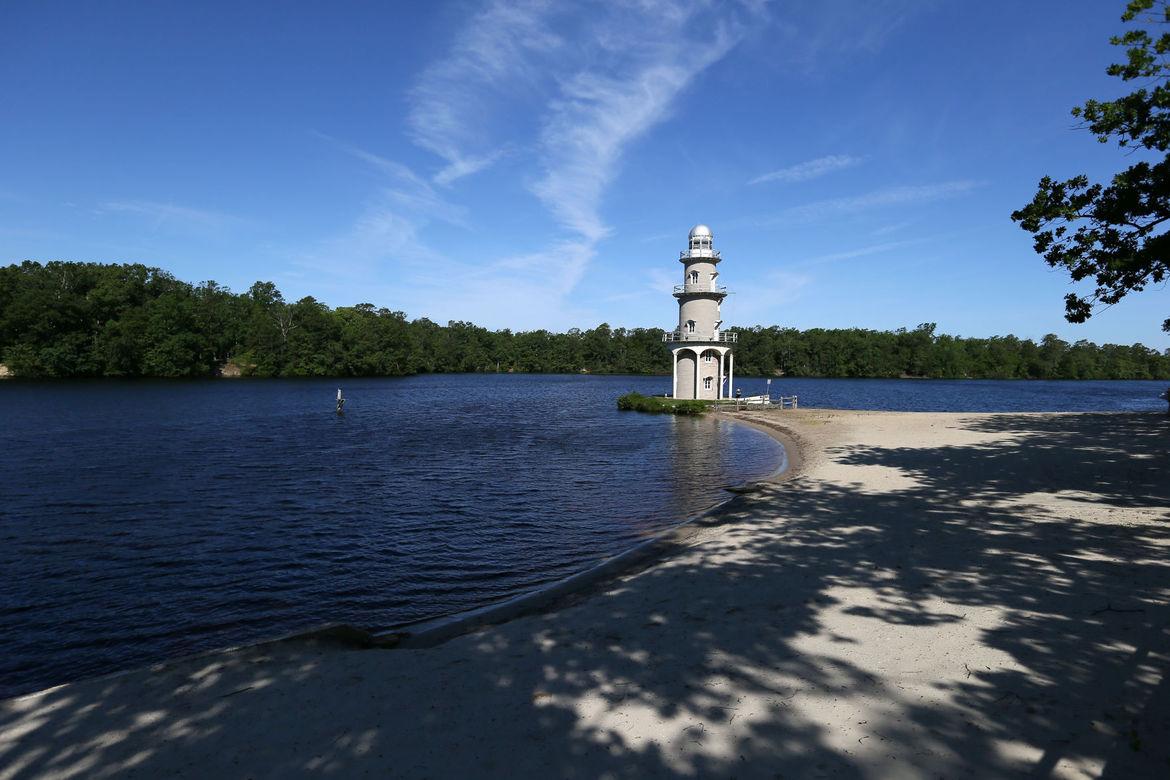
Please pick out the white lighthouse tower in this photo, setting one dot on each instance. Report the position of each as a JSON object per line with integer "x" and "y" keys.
{"x": 704, "y": 365}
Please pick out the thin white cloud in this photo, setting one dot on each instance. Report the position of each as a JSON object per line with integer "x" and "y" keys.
{"x": 508, "y": 74}
{"x": 33, "y": 233}
{"x": 660, "y": 280}
{"x": 383, "y": 164}
{"x": 410, "y": 192}
{"x": 817, "y": 36}
{"x": 170, "y": 213}
{"x": 649, "y": 55}
{"x": 621, "y": 78}
{"x": 381, "y": 239}
{"x": 864, "y": 251}
{"x": 760, "y": 300}
{"x": 496, "y": 53}
{"x": 657, "y": 237}
{"x": 887, "y": 197}
{"x": 810, "y": 169}
{"x": 594, "y": 121}
{"x": 885, "y": 230}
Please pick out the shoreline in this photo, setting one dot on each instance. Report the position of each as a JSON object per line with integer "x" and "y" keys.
{"x": 920, "y": 594}
{"x": 430, "y": 632}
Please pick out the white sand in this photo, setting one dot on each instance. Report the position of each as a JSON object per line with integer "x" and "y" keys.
{"x": 931, "y": 595}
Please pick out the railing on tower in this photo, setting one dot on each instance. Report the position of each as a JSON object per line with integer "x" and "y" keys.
{"x": 688, "y": 253}
{"x": 699, "y": 287}
{"x": 720, "y": 337}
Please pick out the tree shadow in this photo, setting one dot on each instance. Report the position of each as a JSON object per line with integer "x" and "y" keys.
{"x": 1003, "y": 610}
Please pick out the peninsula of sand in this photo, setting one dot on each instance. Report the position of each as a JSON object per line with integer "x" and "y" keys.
{"x": 925, "y": 595}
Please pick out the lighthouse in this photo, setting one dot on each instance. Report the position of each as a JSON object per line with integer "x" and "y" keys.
{"x": 700, "y": 351}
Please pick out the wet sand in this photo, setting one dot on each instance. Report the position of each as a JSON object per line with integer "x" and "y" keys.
{"x": 925, "y": 595}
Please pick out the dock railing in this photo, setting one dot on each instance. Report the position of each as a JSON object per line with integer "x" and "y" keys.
{"x": 783, "y": 401}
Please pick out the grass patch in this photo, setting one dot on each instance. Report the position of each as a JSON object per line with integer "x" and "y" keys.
{"x": 636, "y": 402}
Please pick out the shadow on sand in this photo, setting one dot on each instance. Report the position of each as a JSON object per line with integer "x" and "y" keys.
{"x": 703, "y": 646}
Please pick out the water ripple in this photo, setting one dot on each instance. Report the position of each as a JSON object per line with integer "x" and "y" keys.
{"x": 144, "y": 520}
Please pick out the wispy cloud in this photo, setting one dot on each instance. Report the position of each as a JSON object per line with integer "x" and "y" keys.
{"x": 497, "y": 53}
{"x": 648, "y": 55}
{"x": 32, "y": 233}
{"x": 170, "y": 213}
{"x": 407, "y": 191}
{"x": 816, "y": 36}
{"x": 564, "y": 115}
{"x": 759, "y": 300}
{"x": 810, "y": 169}
{"x": 598, "y": 115}
{"x": 885, "y": 230}
{"x": 586, "y": 103}
{"x": 872, "y": 249}
{"x": 660, "y": 280}
{"x": 887, "y": 197}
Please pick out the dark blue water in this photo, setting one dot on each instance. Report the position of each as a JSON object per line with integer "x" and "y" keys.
{"x": 140, "y": 521}
{"x": 965, "y": 395}
{"x": 146, "y": 520}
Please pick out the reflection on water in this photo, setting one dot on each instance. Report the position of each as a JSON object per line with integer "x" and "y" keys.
{"x": 696, "y": 446}
{"x": 149, "y": 519}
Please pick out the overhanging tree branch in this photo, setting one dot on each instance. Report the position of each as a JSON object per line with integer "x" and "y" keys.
{"x": 1120, "y": 260}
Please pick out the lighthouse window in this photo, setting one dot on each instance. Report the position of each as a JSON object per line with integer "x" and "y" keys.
{"x": 690, "y": 326}
{"x": 708, "y": 357}
{"x": 707, "y": 383}
{"x": 694, "y": 277}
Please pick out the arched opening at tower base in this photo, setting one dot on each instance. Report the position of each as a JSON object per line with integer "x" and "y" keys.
{"x": 710, "y": 375}
{"x": 701, "y": 373}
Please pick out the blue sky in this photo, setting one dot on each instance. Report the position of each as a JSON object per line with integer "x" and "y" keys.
{"x": 529, "y": 164}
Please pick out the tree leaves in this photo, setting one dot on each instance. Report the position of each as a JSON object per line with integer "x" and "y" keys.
{"x": 84, "y": 319}
{"x": 1116, "y": 233}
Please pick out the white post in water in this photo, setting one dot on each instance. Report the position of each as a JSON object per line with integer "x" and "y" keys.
{"x": 698, "y": 347}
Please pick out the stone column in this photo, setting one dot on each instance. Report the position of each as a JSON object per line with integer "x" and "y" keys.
{"x": 698, "y": 371}
{"x": 719, "y": 392}
{"x": 674, "y": 373}
{"x": 731, "y": 373}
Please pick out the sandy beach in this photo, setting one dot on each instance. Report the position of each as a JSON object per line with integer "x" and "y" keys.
{"x": 923, "y": 595}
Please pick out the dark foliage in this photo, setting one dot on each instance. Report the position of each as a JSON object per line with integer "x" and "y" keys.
{"x": 1116, "y": 233}
{"x": 636, "y": 402}
{"x": 86, "y": 319}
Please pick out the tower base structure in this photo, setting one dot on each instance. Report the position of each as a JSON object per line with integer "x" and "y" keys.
{"x": 703, "y": 371}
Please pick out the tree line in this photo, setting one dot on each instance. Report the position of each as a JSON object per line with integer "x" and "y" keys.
{"x": 66, "y": 319}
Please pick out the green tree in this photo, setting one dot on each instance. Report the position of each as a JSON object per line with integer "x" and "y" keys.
{"x": 65, "y": 319}
{"x": 1116, "y": 233}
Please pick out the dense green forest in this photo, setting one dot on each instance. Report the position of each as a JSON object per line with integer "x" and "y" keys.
{"x": 66, "y": 319}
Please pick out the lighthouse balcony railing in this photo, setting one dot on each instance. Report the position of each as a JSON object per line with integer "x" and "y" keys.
{"x": 720, "y": 337}
{"x": 707, "y": 287}
{"x": 687, "y": 254}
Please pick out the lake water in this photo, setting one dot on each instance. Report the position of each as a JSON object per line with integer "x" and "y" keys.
{"x": 144, "y": 520}
{"x": 966, "y": 395}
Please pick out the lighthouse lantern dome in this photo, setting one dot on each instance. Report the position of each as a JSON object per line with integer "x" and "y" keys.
{"x": 700, "y": 237}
